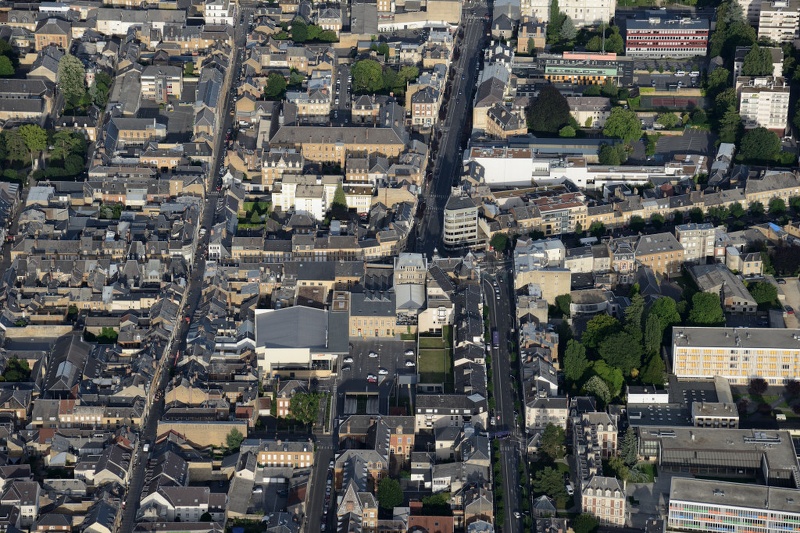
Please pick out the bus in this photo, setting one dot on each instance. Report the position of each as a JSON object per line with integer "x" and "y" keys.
{"x": 495, "y": 338}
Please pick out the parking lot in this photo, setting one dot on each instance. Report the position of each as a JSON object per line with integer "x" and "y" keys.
{"x": 663, "y": 81}
{"x": 366, "y": 380}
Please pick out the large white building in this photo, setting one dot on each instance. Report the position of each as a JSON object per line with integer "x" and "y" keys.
{"x": 736, "y": 354}
{"x": 308, "y": 195}
{"x": 779, "y": 20}
{"x": 460, "y": 221}
{"x": 764, "y": 103}
{"x": 219, "y": 12}
{"x": 582, "y": 12}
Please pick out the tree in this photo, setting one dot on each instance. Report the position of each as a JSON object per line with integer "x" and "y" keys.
{"x": 756, "y": 209}
{"x": 612, "y": 154}
{"x": 408, "y": 74}
{"x": 730, "y": 126}
{"x": 101, "y": 86}
{"x": 792, "y": 388}
{"x": 71, "y": 79}
{"x": 566, "y": 131}
{"x": 6, "y": 68}
{"x": 621, "y": 350}
{"x": 339, "y": 203}
{"x": 16, "y": 150}
{"x": 550, "y": 482}
{"x": 436, "y": 505}
{"x": 595, "y": 44}
{"x": 760, "y": 144}
{"x": 585, "y": 523}
{"x": 233, "y": 440}
{"x": 653, "y": 334}
{"x": 578, "y": 228}
{"x": 499, "y": 242}
{"x": 575, "y": 362}
{"x": 763, "y": 292}
{"x": 598, "y": 387}
{"x": 563, "y": 302}
{"x": 614, "y": 42}
{"x": 389, "y": 495}
{"x": 65, "y": 143}
{"x": 717, "y": 82}
{"x": 609, "y": 89}
{"x": 553, "y": 442}
{"x": 706, "y": 310}
{"x": 636, "y": 223}
{"x": 299, "y": 30}
{"x": 383, "y": 49}
{"x": 597, "y": 229}
{"x": 737, "y": 211}
{"x": 623, "y": 124}
{"x": 668, "y": 120}
{"x": 554, "y": 23}
{"x": 304, "y": 407}
{"x": 549, "y": 112}
{"x": 276, "y": 86}
{"x": 34, "y": 136}
{"x": 654, "y": 371}
{"x": 599, "y": 328}
{"x": 757, "y": 387}
{"x": 591, "y": 90}
{"x": 188, "y": 68}
{"x": 757, "y": 62}
{"x": 367, "y": 76}
{"x": 568, "y": 30}
{"x": 634, "y": 314}
{"x": 17, "y": 370}
{"x": 777, "y": 206}
{"x": 696, "y": 215}
{"x": 657, "y": 220}
{"x": 629, "y": 448}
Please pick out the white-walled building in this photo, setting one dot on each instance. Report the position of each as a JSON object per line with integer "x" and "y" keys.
{"x": 779, "y": 20}
{"x": 219, "y": 12}
{"x": 309, "y": 195}
{"x": 582, "y": 12}
{"x": 764, "y": 103}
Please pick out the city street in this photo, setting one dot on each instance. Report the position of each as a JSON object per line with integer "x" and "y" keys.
{"x": 447, "y": 160}
{"x": 191, "y": 299}
{"x": 501, "y": 316}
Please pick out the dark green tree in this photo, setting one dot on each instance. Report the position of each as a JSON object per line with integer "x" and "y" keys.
{"x": 299, "y": 30}
{"x": 730, "y": 126}
{"x": 367, "y": 76}
{"x": 657, "y": 220}
{"x": 653, "y": 334}
{"x": 233, "y": 440}
{"x": 499, "y": 242}
{"x": 35, "y": 137}
{"x": 623, "y": 124}
{"x": 777, "y": 207}
{"x": 634, "y": 316}
{"x": 6, "y": 68}
{"x": 760, "y": 144}
{"x": 706, "y": 310}
{"x": 563, "y": 302}
{"x": 555, "y": 22}
{"x": 756, "y": 209}
{"x": 599, "y": 328}
{"x": 567, "y": 131}
{"x": 737, "y": 211}
{"x": 611, "y": 376}
{"x": 389, "y": 495}
{"x": 568, "y": 31}
{"x": 636, "y": 223}
{"x": 757, "y": 62}
{"x": 597, "y": 229}
{"x": 550, "y": 482}
{"x": 763, "y": 293}
{"x": 17, "y": 370}
{"x": 654, "y": 371}
{"x": 304, "y": 407}
{"x": 629, "y": 448}
{"x": 575, "y": 362}
{"x": 611, "y": 155}
{"x": 71, "y": 79}
{"x": 276, "y": 86}
{"x": 621, "y": 350}
{"x": 553, "y": 442}
{"x": 16, "y": 150}
{"x": 585, "y": 523}
{"x": 549, "y": 112}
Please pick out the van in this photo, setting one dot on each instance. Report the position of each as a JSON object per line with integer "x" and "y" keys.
{"x": 146, "y": 447}
{"x": 694, "y": 73}
{"x": 680, "y": 73}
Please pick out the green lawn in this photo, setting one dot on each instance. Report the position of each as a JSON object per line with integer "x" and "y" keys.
{"x": 253, "y": 213}
{"x": 431, "y": 342}
{"x": 436, "y": 366}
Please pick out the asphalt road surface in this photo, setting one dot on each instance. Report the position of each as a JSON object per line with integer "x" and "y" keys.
{"x": 155, "y": 406}
{"x": 501, "y": 316}
{"x": 447, "y": 161}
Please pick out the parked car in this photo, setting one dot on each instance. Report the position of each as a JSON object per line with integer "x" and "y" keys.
{"x": 348, "y": 359}
{"x": 373, "y": 355}
{"x": 383, "y": 372}
{"x": 409, "y": 353}
{"x": 781, "y": 281}
{"x": 788, "y": 309}
{"x": 410, "y": 363}
{"x": 569, "y": 488}
{"x": 372, "y": 378}
{"x": 346, "y": 368}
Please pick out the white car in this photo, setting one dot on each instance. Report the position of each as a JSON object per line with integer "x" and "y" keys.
{"x": 347, "y": 360}
{"x": 410, "y": 363}
{"x": 383, "y": 372}
{"x": 373, "y": 355}
{"x": 569, "y": 488}
{"x": 409, "y": 353}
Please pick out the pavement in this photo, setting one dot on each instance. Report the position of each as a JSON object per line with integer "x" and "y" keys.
{"x": 447, "y": 159}
{"x": 501, "y": 316}
{"x": 155, "y": 405}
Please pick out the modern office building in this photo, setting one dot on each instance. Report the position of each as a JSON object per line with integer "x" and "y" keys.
{"x": 460, "y": 221}
{"x": 737, "y": 354}
{"x": 658, "y": 37}
{"x": 705, "y": 505}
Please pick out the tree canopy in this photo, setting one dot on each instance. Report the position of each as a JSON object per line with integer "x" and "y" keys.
{"x": 549, "y": 112}
{"x": 35, "y": 137}
{"x": 6, "y": 68}
{"x": 390, "y": 494}
{"x": 612, "y": 154}
{"x": 233, "y": 440}
{"x": 760, "y": 144}
{"x": 597, "y": 387}
{"x": 554, "y": 442}
{"x": 304, "y": 407}
{"x": 499, "y": 242}
{"x": 550, "y": 482}
{"x": 275, "y": 88}
{"x": 17, "y": 370}
{"x": 706, "y": 310}
{"x": 623, "y": 124}
{"x": 757, "y": 62}
{"x": 72, "y": 79}
{"x": 621, "y": 350}
{"x": 600, "y": 327}
{"x": 575, "y": 361}
{"x": 763, "y": 292}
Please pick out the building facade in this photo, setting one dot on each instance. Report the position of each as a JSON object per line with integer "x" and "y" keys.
{"x": 764, "y": 103}
{"x": 460, "y": 222}
{"x": 657, "y": 37}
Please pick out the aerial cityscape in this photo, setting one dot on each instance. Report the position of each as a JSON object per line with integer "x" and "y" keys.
{"x": 425, "y": 266}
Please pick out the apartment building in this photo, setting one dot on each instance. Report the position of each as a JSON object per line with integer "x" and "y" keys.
{"x": 305, "y": 194}
{"x": 661, "y": 37}
{"x": 313, "y": 106}
{"x": 532, "y": 36}
{"x": 707, "y": 505}
{"x": 604, "y": 498}
{"x": 55, "y": 31}
{"x": 736, "y": 354}
{"x": 662, "y": 252}
{"x": 779, "y": 20}
{"x": 589, "y": 111}
{"x": 582, "y": 12}
{"x": 219, "y": 12}
{"x": 159, "y": 82}
{"x": 460, "y": 221}
{"x": 502, "y": 122}
{"x": 764, "y": 103}
{"x": 697, "y": 241}
{"x": 425, "y": 107}
{"x": 283, "y": 454}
